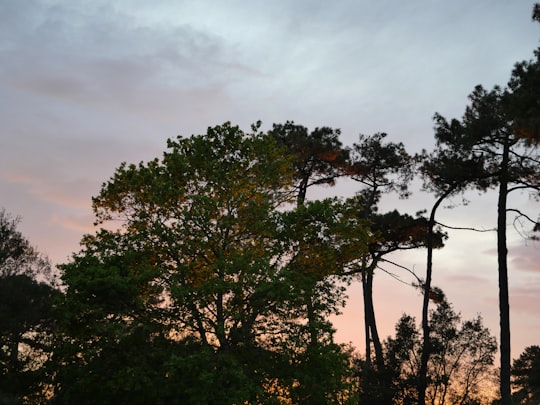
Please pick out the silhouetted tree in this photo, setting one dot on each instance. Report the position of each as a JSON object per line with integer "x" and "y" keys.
{"x": 319, "y": 157}
{"x": 26, "y": 321}
{"x": 526, "y": 376}
{"x": 382, "y": 167}
{"x": 502, "y": 159}
{"x": 460, "y": 365}
{"x": 446, "y": 173}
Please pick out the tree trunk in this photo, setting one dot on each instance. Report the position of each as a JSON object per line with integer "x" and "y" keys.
{"x": 379, "y": 359}
{"x": 426, "y": 343}
{"x": 370, "y": 324}
{"x": 312, "y": 319}
{"x": 504, "y": 306}
{"x": 366, "y": 319}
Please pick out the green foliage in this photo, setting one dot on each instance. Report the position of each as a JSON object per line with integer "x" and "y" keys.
{"x": 318, "y": 156}
{"x": 203, "y": 293}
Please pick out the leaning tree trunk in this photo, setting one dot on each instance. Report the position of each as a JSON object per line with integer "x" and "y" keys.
{"x": 370, "y": 323}
{"x": 379, "y": 358}
{"x": 367, "y": 322}
{"x": 426, "y": 342}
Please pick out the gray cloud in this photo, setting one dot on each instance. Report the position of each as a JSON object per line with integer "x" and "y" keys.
{"x": 525, "y": 298}
{"x": 89, "y": 84}
{"x": 525, "y": 257}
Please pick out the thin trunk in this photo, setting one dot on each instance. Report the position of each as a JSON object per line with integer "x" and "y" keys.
{"x": 311, "y": 316}
{"x": 220, "y": 324}
{"x": 312, "y": 319}
{"x": 502, "y": 253}
{"x": 370, "y": 323}
{"x": 379, "y": 359}
{"x": 302, "y": 191}
{"x": 200, "y": 325}
{"x": 366, "y": 320}
{"x": 426, "y": 343}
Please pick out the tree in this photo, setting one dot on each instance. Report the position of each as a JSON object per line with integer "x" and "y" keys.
{"x": 382, "y": 167}
{"x": 497, "y": 139}
{"x": 459, "y": 367}
{"x": 319, "y": 228}
{"x": 17, "y": 256}
{"x": 324, "y": 237}
{"x": 209, "y": 267}
{"x": 25, "y": 315}
{"x": 526, "y": 376}
{"x": 318, "y": 156}
{"x": 446, "y": 172}
{"x": 485, "y": 138}
{"x": 109, "y": 347}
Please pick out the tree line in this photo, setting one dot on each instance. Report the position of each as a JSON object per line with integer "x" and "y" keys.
{"x": 212, "y": 275}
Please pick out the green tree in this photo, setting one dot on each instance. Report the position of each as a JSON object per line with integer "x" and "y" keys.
{"x": 26, "y": 321}
{"x": 526, "y": 376}
{"x": 326, "y": 236}
{"x": 204, "y": 275}
{"x": 504, "y": 161}
{"x": 382, "y": 167}
{"x": 109, "y": 346}
{"x": 319, "y": 157}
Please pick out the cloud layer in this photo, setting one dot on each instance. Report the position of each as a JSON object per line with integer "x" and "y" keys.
{"x": 89, "y": 84}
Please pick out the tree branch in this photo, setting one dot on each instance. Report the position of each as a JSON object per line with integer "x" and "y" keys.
{"x": 401, "y": 267}
{"x": 458, "y": 228}
{"x": 521, "y": 214}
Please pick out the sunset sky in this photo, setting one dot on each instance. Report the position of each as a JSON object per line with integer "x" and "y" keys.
{"x": 88, "y": 84}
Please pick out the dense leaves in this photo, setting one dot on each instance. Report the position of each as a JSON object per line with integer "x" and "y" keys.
{"x": 318, "y": 156}
{"x": 210, "y": 280}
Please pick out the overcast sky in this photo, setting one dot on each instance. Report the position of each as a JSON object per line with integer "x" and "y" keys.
{"x": 85, "y": 85}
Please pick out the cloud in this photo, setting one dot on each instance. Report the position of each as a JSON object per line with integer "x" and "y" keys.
{"x": 466, "y": 280}
{"x": 98, "y": 58}
{"x": 60, "y": 192}
{"x": 78, "y": 223}
{"x": 525, "y": 257}
{"x": 525, "y": 298}
{"x": 88, "y": 84}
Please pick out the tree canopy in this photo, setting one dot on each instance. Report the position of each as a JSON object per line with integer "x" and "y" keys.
{"x": 208, "y": 259}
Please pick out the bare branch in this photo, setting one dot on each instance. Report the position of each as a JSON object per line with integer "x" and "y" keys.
{"x": 459, "y": 228}
{"x": 401, "y": 267}
{"x": 521, "y": 214}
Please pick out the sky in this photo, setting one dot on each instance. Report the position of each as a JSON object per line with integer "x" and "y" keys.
{"x": 88, "y": 84}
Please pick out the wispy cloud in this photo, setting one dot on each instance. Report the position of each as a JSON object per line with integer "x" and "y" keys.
{"x": 88, "y": 84}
